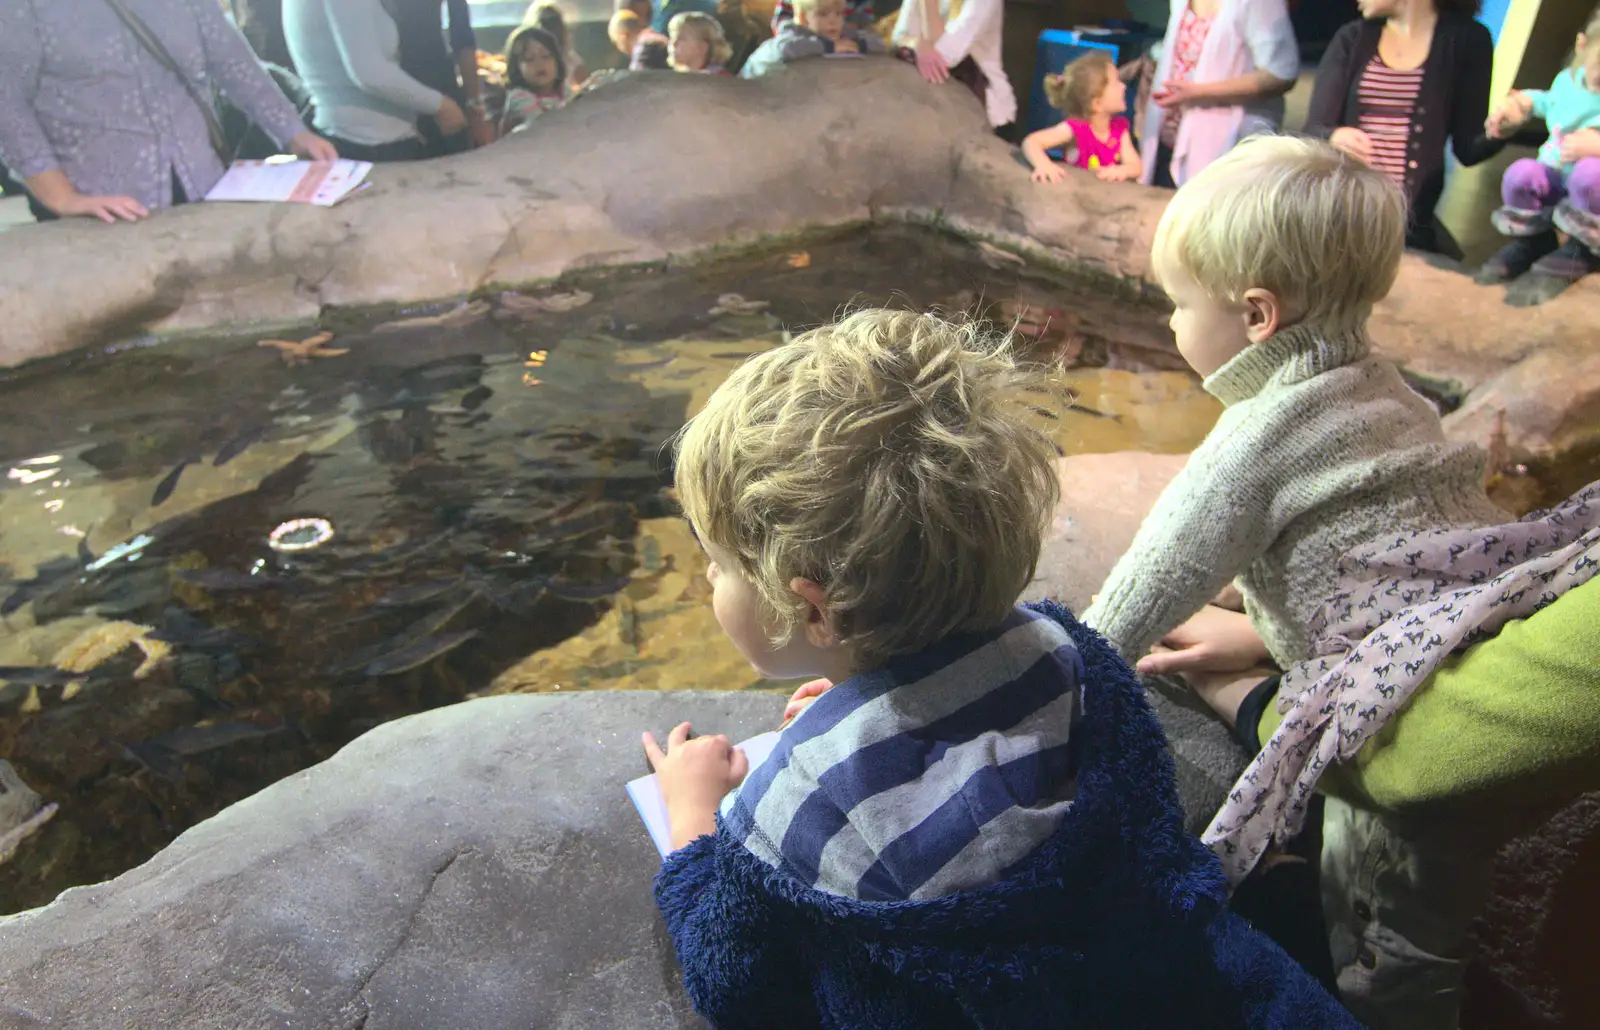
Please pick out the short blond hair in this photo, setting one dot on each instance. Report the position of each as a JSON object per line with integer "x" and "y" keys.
{"x": 1321, "y": 230}
{"x": 709, "y": 29}
{"x": 812, "y": 7}
{"x": 893, "y": 458}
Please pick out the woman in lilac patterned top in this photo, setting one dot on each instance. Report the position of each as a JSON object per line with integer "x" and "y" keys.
{"x": 97, "y": 127}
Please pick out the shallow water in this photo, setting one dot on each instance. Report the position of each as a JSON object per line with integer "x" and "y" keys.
{"x": 495, "y": 494}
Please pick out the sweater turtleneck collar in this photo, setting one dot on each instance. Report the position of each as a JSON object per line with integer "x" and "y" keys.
{"x": 1289, "y": 355}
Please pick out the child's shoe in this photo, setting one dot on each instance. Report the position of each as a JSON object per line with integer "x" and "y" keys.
{"x": 1552, "y": 274}
{"x": 1515, "y": 258}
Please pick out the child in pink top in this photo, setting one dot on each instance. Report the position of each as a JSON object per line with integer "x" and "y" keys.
{"x": 1093, "y": 98}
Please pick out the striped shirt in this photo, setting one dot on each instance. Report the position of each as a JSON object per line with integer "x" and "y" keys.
{"x": 928, "y": 777}
{"x": 1385, "y": 99}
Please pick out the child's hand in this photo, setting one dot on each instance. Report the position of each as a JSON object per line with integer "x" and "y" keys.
{"x": 1511, "y": 113}
{"x": 1049, "y": 172}
{"x": 845, "y": 46}
{"x": 802, "y": 698}
{"x": 694, "y": 776}
{"x": 1215, "y": 640}
{"x": 1353, "y": 142}
{"x": 1576, "y": 146}
{"x": 1114, "y": 173}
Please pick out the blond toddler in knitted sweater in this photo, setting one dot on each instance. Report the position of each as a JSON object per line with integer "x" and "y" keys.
{"x": 1274, "y": 257}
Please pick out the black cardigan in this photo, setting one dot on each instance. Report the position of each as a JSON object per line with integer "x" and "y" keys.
{"x": 1453, "y": 102}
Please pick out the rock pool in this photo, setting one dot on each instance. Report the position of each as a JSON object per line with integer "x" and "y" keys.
{"x": 224, "y": 561}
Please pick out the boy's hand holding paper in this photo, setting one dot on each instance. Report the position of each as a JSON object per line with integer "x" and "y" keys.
{"x": 694, "y": 776}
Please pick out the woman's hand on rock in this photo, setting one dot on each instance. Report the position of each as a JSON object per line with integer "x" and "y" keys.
{"x": 108, "y": 209}
{"x": 931, "y": 63}
{"x": 802, "y": 698}
{"x": 1215, "y": 640}
{"x": 313, "y": 147}
{"x": 1353, "y": 142}
{"x": 450, "y": 117}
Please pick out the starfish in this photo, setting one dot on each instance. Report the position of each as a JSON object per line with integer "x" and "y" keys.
{"x": 99, "y": 644}
{"x": 302, "y": 352}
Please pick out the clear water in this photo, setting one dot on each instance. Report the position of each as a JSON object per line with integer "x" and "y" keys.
{"x": 496, "y": 497}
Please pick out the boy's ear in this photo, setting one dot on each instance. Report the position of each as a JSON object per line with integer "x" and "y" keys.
{"x": 1263, "y": 314}
{"x": 818, "y": 626}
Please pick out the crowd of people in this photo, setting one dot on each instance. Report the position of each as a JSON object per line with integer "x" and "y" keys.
{"x": 179, "y": 94}
{"x": 970, "y": 818}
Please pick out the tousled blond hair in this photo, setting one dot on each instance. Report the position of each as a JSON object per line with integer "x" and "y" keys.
{"x": 718, "y": 52}
{"x": 893, "y": 458}
{"x": 1074, "y": 91}
{"x": 1319, "y": 229}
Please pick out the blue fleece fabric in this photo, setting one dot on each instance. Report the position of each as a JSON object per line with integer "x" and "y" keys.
{"x": 1117, "y": 921}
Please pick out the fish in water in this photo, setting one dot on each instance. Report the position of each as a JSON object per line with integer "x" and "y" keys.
{"x": 419, "y": 653}
{"x": 166, "y": 486}
{"x": 235, "y": 446}
{"x": 1082, "y": 410}
{"x": 180, "y": 627}
{"x": 37, "y": 676}
{"x": 45, "y": 579}
{"x": 736, "y": 304}
{"x": 569, "y": 590}
{"x": 455, "y": 318}
{"x": 228, "y": 579}
{"x": 163, "y": 755}
{"x": 416, "y": 594}
{"x": 473, "y": 399}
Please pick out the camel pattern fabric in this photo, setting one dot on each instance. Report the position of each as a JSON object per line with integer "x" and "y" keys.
{"x": 1405, "y": 603}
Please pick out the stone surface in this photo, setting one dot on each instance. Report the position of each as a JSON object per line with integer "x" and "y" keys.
{"x": 474, "y": 866}
{"x": 662, "y": 166}
{"x": 1104, "y": 497}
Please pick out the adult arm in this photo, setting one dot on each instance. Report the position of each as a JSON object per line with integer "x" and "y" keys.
{"x": 464, "y": 44}
{"x": 234, "y": 67}
{"x": 1468, "y": 139}
{"x": 1210, "y": 523}
{"x": 1520, "y": 709}
{"x": 24, "y": 147}
{"x": 978, "y": 18}
{"x": 737, "y": 969}
{"x": 1331, "y": 91}
{"x": 1273, "y": 50}
{"x": 354, "y": 25}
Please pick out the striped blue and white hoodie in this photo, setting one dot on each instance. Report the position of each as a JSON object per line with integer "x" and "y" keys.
{"x": 984, "y": 835}
{"x": 926, "y": 777}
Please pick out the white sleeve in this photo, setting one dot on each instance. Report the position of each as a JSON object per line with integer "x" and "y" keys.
{"x": 978, "y": 18}
{"x": 1270, "y": 36}
{"x": 354, "y": 25}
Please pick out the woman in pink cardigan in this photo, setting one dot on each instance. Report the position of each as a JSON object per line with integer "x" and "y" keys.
{"x": 1224, "y": 68}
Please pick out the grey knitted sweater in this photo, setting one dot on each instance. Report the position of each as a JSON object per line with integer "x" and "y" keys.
{"x": 1321, "y": 447}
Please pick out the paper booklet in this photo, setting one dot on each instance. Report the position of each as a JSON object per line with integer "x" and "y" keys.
{"x": 323, "y": 183}
{"x": 646, "y": 793}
